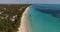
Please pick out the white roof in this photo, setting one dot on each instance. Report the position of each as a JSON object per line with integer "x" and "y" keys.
{"x": 1, "y": 12}
{"x": 4, "y": 8}
{"x": 12, "y": 19}
{"x": 15, "y": 16}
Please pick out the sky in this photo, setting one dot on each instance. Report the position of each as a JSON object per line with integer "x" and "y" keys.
{"x": 29, "y": 1}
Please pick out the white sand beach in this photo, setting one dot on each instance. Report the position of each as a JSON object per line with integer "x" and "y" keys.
{"x": 24, "y": 24}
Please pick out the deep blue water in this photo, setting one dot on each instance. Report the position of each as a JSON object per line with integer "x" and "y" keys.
{"x": 39, "y": 20}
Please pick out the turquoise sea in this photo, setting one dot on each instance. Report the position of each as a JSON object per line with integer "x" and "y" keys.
{"x": 43, "y": 21}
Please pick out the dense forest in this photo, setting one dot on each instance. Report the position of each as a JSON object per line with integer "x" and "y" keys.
{"x": 10, "y": 16}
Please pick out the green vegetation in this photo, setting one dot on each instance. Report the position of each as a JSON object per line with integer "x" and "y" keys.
{"x": 7, "y": 13}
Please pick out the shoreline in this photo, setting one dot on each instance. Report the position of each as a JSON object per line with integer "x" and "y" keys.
{"x": 24, "y": 22}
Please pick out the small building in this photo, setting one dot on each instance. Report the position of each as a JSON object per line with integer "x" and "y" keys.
{"x": 4, "y": 8}
{"x": 13, "y": 18}
{"x": 1, "y": 12}
{"x": 2, "y": 17}
{"x": 20, "y": 9}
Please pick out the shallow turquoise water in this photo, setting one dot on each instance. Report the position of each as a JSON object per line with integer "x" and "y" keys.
{"x": 42, "y": 22}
